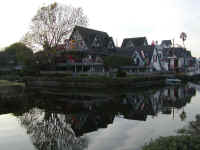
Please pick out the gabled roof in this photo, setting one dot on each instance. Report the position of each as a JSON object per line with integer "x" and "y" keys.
{"x": 89, "y": 35}
{"x": 166, "y": 42}
{"x": 177, "y": 51}
{"x": 138, "y": 41}
{"x": 148, "y": 51}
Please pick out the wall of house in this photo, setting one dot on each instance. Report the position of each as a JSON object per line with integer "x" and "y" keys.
{"x": 110, "y": 44}
{"x": 78, "y": 41}
{"x": 135, "y": 57}
{"x": 155, "y": 61}
{"x": 172, "y": 63}
{"x": 180, "y": 62}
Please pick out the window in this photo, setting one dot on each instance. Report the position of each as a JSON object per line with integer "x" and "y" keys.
{"x": 154, "y": 58}
{"x": 159, "y": 56}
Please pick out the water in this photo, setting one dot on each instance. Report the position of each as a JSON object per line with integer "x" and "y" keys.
{"x": 100, "y": 121}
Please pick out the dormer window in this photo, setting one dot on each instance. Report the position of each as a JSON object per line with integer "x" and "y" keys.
{"x": 97, "y": 42}
{"x": 130, "y": 44}
{"x": 110, "y": 45}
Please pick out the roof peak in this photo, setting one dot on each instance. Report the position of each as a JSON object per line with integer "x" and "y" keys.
{"x": 86, "y": 28}
{"x": 136, "y": 37}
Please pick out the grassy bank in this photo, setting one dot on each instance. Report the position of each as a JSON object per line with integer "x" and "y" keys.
{"x": 10, "y": 83}
{"x": 93, "y": 82}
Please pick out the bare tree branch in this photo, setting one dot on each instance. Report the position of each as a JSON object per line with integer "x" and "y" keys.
{"x": 52, "y": 24}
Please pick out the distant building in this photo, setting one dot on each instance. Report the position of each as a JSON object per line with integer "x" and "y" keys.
{"x": 134, "y": 42}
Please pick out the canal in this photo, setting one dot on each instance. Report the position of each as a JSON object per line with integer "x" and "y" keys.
{"x": 94, "y": 121}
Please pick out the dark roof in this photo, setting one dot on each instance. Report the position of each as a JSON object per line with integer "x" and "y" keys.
{"x": 88, "y": 35}
{"x": 148, "y": 51}
{"x": 138, "y": 41}
{"x": 177, "y": 51}
{"x": 166, "y": 42}
{"x": 103, "y": 52}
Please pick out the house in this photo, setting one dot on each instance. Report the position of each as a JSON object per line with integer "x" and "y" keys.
{"x": 151, "y": 57}
{"x": 143, "y": 58}
{"x": 85, "y": 39}
{"x": 176, "y": 59}
{"x": 134, "y": 42}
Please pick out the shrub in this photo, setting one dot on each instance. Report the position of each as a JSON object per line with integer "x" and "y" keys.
{"x": 183, "y": 142}
{"x": 121, "y": 73}
{"x": 83, "y": 75}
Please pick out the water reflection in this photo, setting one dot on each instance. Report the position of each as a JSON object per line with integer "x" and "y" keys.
{"x": 59, "y": 124}
{"x": 50, "y": 130}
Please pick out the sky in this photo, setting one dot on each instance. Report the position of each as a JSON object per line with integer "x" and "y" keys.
{"x": 154, "y": 19}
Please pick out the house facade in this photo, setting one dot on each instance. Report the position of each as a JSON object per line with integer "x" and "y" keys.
{"x": 175, "y": 59}
{"x": 86, "y": 39}
{"x": 92, "y": 45}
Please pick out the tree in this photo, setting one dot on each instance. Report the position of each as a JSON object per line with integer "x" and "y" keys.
{"x": 183, "y": 36}
{"x": 3, "y": 58}
{"x": 116, "y": 61}
{"x": 183, "y": 115}
{"x": 19, "y": 53}
{"x": 52, "y": 131}
{"x": 52, "y": 24}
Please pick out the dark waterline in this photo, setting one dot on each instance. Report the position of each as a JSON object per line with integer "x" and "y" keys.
{"x": 100, "y": 121}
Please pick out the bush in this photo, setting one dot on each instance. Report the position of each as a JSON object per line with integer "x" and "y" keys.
{"x": 121, "y": 73}
{"x": 68, "y": 74}
{"x": 183, "y": 142}
{"x": 83, "y": 75}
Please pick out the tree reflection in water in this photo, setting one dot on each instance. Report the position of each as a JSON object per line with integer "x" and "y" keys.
{"x": 50, "y": 131}
{"x": 60, "y": 125}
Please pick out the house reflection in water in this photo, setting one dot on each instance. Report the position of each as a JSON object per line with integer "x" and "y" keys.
{"x": 61, "y": 126}
{"x": 163, "y": 101}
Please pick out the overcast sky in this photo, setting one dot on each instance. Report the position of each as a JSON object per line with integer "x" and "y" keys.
{"x": 155, "y": 19}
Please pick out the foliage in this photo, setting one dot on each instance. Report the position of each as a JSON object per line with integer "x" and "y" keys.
{"x": 193, "y": 128}
{"x": 19, "y": 53}
{"x": 121, "y": 73}
{"x": 45, "y": 57}
{"x": 183, "y": 142}
{"x": 183, "y": 36}
{"x": 183, "y": 115}
{"x": 188, "y": 140}
{"x": 52, "y": 24}
{"x": 4, "y": 58}
{"x": 115, "y": 61}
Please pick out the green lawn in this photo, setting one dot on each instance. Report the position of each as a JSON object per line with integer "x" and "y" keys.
{"x": 9, "y": 83}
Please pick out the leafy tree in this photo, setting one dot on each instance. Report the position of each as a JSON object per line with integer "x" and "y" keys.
{"x": 3, "y": 58}
{"x": 51, "y": 131}
{"x": 52, "y": 24}
{"x": 115, "y": 61}
{"x": 45, "y": 57}
{"x": 19, "y": 53}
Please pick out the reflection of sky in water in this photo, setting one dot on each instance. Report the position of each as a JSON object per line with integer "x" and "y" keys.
{"x": 130, "y": 134}
{"x": 122, "y": 134}
{"x": 12, "y": 135}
